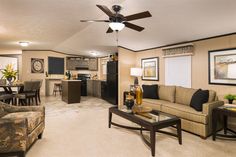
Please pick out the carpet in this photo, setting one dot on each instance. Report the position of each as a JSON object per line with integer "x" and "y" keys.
{"x": 81, "y": 130}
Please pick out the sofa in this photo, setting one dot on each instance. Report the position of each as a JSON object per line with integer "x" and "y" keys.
{"x": 176, "y": 100}
{"x": 20, "y": 127}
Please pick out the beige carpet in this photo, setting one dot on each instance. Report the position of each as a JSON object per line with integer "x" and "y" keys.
{"x": 81, "y": 130}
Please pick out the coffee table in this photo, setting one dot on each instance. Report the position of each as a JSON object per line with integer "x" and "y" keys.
{"x": 160, "y": 120}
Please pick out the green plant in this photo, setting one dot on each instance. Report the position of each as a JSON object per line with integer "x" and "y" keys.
{"x": 230, "y": 97}
{"x": 9, "y": 72}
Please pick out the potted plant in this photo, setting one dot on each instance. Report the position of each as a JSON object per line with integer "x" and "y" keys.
{"x": 9, "y": 73}
{"x": 230, "y": 98}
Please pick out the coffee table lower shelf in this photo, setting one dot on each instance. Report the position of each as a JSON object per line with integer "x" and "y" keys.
{"x": 148, "y": 126}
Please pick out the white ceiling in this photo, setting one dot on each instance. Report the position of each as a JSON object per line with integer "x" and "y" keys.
{"x": 55, "y": 24}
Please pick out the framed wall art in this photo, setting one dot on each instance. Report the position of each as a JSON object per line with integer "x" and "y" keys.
{"x": 37, "y": 65}
{"x": 150, "y": 68}
{"x": 222, "y": 67}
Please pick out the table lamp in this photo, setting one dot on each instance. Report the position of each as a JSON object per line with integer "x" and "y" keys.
{"x": 136, "y": 72}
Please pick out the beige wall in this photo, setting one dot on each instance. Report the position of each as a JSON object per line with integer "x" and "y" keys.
{"x": 199, "y": 64}
{"x": 126, "y": 61}
{"x": 26, "y": 67}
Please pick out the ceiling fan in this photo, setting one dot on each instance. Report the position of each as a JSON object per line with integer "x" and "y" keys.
{"x": 118, "y": 21}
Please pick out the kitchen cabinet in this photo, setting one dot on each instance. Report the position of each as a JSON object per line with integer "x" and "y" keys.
{"x": 93, "y": 64}
{"x": 81, "y": 63}
{"x": 94, "y": 88}
{"x": 71, "y": 91}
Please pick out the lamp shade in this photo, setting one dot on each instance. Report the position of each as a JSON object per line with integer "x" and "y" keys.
{"x": 116, "y": 26}
{"x": 136, "y": 72}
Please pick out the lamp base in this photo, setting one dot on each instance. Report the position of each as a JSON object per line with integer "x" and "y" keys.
{"x": 136, "y": 81}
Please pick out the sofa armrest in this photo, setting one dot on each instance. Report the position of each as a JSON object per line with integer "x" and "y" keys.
{"x": 208, "y": 107}
{"x": 12, "y": 109}
{"x": 13, "y": 135}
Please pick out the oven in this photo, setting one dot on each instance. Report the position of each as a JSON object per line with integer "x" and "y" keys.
{"x": 83, "y": 78}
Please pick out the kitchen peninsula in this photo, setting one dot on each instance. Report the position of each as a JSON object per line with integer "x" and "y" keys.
{"x": 71, "y": 91}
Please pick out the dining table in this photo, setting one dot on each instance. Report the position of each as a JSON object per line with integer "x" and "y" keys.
{"x": 8, "y": 87}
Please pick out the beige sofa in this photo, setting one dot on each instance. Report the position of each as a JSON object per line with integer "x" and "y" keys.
{"x": 176, "y": 101}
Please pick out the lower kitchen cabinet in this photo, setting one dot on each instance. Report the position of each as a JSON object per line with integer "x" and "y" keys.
{"x": 94, "y": 88}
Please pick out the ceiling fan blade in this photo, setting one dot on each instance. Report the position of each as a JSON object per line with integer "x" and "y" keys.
{"x": 94, "y": 21}
{"x": 133, "y": 26}
{"x": 138, "y": 16}
{"x": 105, "y": 10}
{"x": 109, "y": 30}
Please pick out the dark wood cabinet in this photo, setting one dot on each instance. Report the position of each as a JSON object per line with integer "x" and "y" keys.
{"x": 93, "y": 64}
{"x": 94, "y": 88}
{"x": 71, "y": 91}
{"x": 81, "y": 63}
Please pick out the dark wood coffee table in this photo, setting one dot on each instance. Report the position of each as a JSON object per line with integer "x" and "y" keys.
{"x": 160, "y": 121}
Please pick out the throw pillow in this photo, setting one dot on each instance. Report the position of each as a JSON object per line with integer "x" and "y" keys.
{"x": 199, "y": 98}
{"x": 150, "y": 91}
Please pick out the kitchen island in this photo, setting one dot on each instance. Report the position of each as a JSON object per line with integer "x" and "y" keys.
{"x": 71, "y": 91}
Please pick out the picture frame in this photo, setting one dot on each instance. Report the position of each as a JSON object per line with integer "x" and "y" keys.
{"x": 150, "y": 68}
{"x": 222, "y": 67}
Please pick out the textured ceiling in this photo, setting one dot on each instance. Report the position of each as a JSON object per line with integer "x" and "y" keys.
{"x": 55, "y": 24}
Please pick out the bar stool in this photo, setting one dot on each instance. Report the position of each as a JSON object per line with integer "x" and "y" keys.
{"x": 57, "y": 88}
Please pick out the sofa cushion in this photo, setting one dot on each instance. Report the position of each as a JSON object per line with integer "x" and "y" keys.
{"x": 33, "y": 118}
{"x": 184, "y": 95}
{"x": 154, "y": 103}
{"x": 150, "y": 91}
{"x": 199, "y": 98}
{"x": 167, "y": 93}
{"x": 184, "y": 112}
{"x": 212, "y": 96}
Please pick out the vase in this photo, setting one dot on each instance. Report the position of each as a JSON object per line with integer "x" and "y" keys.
{"x": 230, "y": 101}
{"x": 139, "y": 95}
{"x": 9, "y": 79}
{"x": 129, "y": 103}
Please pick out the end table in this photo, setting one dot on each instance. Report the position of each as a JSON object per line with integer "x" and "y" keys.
{"x": 217, "y": 114}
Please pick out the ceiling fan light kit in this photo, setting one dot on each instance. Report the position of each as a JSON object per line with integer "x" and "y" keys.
{"x": 118, "y": 21}
{"x": 116, "y": 26}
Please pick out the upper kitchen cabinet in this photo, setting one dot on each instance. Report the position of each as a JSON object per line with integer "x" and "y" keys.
{"x": 81, "y": 63}
{"x": 93, "y": 64}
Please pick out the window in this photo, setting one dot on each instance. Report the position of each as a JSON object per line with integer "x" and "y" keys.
{"x": 178, "y": 71}
{"x": 8, "y": 60}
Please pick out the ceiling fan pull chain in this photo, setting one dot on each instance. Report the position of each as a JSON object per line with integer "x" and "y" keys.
{"x": 117, "y": 38}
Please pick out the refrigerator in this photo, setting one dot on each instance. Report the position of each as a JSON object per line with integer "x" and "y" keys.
{"x": 111, "y": 91}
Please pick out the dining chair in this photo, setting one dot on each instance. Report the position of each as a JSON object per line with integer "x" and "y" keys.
{"x": 6, "y": 98}
{"x": 29, "y": 93}
{"x": 3, "y": 81}
{"x": 38, "y": 88}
